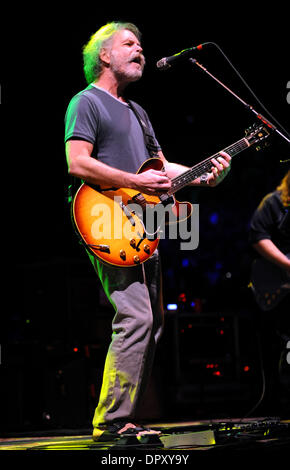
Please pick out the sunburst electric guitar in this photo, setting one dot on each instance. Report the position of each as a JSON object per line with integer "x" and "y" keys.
{"x": 122, "y": 226}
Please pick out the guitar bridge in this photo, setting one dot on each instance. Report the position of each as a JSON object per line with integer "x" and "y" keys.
{"x": 166, "y": 199}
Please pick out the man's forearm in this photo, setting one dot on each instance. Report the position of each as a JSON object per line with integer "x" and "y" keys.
{"x": 270, "y": 251}
{"x": 95, "y": 172}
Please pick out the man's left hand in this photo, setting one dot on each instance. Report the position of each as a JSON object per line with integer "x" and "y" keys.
{"x": 220, "y": 169}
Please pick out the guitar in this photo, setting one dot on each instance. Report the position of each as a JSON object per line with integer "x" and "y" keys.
{"x": 269, "y": 283}
{"x": 119, "y": 226}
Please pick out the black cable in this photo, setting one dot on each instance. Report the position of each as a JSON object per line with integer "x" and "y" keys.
{"x": 263, "y": 380}
{"x": 248, "y": 87}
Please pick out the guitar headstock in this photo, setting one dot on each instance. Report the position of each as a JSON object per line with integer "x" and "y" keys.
{"x": 257, "y": 134}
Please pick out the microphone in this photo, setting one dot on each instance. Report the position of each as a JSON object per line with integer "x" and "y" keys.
{"x": 165, "y": 63}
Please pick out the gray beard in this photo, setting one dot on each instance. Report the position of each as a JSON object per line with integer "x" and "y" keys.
{"x": 125, "y": 75}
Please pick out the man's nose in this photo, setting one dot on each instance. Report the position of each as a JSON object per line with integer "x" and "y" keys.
{"x": 139, "y": 48}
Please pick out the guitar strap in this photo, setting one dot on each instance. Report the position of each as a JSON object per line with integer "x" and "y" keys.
{"x": 149, "y": 139}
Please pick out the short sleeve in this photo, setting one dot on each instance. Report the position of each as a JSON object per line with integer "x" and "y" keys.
{"x": 263, "y": 221}
{"x": 81, "y": 119}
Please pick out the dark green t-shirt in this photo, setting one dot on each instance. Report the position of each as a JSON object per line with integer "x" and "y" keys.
{"x": 94, "y": 115}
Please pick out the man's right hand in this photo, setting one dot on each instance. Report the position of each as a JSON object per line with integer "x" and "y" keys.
{"x": 152, "y": 182}
{"x": 91, "y": 170}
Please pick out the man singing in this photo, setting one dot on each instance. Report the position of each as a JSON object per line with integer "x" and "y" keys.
{"x": 105, "y": 145}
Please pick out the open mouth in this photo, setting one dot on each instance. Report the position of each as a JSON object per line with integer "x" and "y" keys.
{"x": 137, "y": 60}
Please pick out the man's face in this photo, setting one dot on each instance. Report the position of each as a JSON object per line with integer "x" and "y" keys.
{"x": 126, "y": 56}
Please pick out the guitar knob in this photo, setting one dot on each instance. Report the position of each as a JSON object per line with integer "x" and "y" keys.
{"x": 123, "y": 254}
{"x": 146, "y": 248}
{"x": 136, "y": 259}
{"x": 133, "y": 243}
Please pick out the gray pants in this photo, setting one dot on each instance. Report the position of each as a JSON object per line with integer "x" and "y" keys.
{"x": 136, "y": 295}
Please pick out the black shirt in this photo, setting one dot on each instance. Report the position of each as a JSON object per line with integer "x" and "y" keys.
{"x": 271, "y": 221}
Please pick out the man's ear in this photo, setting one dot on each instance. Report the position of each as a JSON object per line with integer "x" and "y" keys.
{"x": 105, "y": 56}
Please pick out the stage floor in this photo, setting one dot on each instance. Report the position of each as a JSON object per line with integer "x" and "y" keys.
{"x": 267, "y": 433}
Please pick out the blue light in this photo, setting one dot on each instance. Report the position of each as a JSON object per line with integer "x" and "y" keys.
{"x": 214, "y": 218}
{"x": 171, "y": 306}
{"x": 212, "y": 276}
{"x": 185, "y": 262}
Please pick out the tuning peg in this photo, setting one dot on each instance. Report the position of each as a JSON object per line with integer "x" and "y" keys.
{"x": 250, "y": 129}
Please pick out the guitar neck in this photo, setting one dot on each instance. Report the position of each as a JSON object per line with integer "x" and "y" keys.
{"x": 205, "y": 166}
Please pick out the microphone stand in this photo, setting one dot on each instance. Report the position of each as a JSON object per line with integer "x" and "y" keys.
{"x": 248, "y": 106}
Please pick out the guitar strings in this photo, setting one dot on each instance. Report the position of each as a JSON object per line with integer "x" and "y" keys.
{"x": 205, "y": 166}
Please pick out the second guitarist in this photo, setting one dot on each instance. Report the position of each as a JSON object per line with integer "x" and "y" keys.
{"x": 270, "y": 237}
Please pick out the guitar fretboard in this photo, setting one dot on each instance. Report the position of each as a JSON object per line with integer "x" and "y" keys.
{"x": 205, "y": 166}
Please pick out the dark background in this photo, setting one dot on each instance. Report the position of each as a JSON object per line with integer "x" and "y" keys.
{"x": 56, "y": 322}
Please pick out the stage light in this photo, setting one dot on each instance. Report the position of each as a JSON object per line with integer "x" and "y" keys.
{"x": 213, "y": 276}
{"x": 185, "y": 262}
{"x": 214, "y": 218}
{"x": 171, "y": 307}
{"x": 46, "y": 416}
{"x": 182, "y": 297}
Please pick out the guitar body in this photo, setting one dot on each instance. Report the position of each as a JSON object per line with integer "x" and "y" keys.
{"x": 111, "y": 223}
{"x": 122, "y": 226}
{"x": 269, "y": 283}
